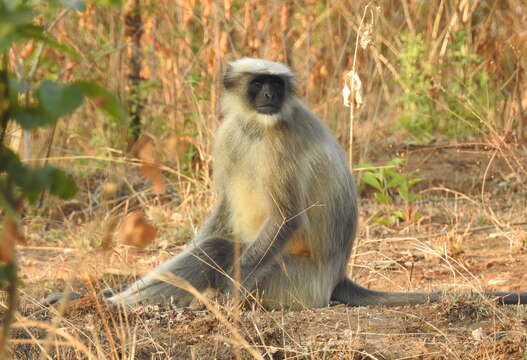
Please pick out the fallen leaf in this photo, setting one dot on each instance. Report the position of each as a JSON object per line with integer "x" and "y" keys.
{"x": 136, "y": 231}
{"x": 145, "y": 150}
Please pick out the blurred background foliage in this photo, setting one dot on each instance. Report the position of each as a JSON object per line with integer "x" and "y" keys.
{"x": 435, "y": 71}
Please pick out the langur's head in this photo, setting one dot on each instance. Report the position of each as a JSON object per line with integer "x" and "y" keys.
{"x": 259, "y": 90}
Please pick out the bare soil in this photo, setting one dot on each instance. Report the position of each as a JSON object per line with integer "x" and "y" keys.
{"x": 433, "y": 252}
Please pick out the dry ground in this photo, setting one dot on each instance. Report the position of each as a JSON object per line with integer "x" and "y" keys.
{"x": 427, "y": 254}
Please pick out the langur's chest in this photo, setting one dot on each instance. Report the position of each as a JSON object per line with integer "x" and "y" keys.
{"x": 249, "y": 203}
{"x": 248, "y": 192}
{"x": 250, "y": 199}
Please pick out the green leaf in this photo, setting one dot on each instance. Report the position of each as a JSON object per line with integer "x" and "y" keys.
{"x": 391, "y": 173}
{"x": 7, "y": 40}
{"x": 383, "y": 199}
{"x": 5, "y": 205}
{"x": 58, "y": 100}
{"x": 412, "y": 182}
{"x": 383, "y": 221}
{"x": 397, "y": 161}
{"x": 403, "y": 193}
{"x": 15, "y": 16}
{"x": 399, "y": 214}
{"x": 62, "y": 184}
{"x": 394, "y": 219}
{"x": 110, "y": 2}
{"x": 371, "y": 180}
{"x": 34, "y": 181}
{"x": 16, "y": 25}
{"x": 32, "y": 118}
{"x": 34, "y": 32}
{"x": 16, "y": 87}
{"x": 29, "y": 182}
{"x": 103, "y": 99}
{"x": 379, "y": 174}
{"x": 396, "y": 180}
{"x": 8, "y": 159}
{"x": 7, "y": 275}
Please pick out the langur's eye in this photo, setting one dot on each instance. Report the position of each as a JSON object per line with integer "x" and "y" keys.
{"x": 257, "y": 84}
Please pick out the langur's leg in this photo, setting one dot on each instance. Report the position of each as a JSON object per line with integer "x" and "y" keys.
{"x": 202, "y": 265}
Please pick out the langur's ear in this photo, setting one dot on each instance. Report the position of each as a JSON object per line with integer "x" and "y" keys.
{"x": 228, "y": 77}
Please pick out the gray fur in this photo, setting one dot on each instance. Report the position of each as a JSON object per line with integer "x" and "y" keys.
{"x": 287, "y": 197}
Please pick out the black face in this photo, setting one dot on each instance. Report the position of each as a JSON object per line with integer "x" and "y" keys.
{"x": 266, "y": 93}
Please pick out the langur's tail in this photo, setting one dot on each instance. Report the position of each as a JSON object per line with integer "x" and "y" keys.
{"x": 352, "y": 294}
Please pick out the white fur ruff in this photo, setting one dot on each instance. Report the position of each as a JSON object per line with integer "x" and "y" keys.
{"x": 259, "y": 66}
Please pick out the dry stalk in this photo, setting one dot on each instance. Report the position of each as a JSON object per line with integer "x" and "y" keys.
{"x": 70, "y": 340}
{"x": 353, "y": 96}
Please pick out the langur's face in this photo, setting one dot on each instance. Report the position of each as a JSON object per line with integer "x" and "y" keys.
{"x": 266, "y": 94}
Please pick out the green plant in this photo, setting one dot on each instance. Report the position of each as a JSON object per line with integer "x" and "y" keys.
{"x": 419, "y": 113}
{"x": 31, "y": 107}
{"x": 448, "y": 95}
{"x": 386, "y": 182}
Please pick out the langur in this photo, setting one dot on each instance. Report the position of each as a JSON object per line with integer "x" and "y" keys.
{"x": 286, "y": 201}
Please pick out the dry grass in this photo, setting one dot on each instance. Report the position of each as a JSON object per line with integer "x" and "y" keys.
{"x": 426, "y": 255}
{"x": 473, "y": 181}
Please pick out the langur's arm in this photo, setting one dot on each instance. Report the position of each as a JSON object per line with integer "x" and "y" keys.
{"x": 216, "y": 225}
{"x": 258, "y": 257}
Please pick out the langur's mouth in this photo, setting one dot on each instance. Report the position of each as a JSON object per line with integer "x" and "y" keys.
{"x": 267, "y": 109}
